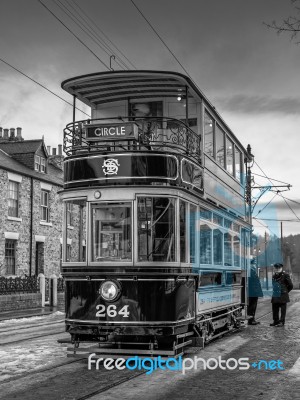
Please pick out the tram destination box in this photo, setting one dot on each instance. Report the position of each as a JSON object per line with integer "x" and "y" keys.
{"x": 117, "y": 131}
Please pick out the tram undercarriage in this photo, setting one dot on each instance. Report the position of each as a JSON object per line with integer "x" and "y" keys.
{"x": 165, "y": 341}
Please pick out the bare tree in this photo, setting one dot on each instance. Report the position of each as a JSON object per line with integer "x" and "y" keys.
{"x": 290, "y": 25}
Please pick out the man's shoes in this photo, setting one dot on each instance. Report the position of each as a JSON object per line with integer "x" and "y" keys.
{"x": 253, "y": 322}
{"x": 274, "y": 323}
{"x": 280, "y": 324}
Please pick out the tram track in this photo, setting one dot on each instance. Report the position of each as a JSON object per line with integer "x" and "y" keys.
{"x": 30, "y": 338}
{"x": 14, "y": 328}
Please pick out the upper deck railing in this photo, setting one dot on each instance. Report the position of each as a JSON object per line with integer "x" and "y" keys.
{"x": 150, "y": 133}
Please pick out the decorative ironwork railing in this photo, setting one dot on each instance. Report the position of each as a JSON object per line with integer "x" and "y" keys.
{"x": 153, "y": 133}
{"x": 26, "y": 284}
{"x": 60, "y": 285}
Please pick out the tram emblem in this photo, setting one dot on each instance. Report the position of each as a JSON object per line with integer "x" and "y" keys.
{"x": 110, "y": 166}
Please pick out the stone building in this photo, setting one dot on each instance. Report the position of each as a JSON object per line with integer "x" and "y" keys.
{"x": 30, "y": 207}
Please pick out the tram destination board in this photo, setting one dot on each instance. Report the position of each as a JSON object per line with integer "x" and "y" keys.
{"x": 117, "y": 131}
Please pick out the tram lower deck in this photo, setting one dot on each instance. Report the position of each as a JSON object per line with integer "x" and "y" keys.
{"x": 150, "y": 268}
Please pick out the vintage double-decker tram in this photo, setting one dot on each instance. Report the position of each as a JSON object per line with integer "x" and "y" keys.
{"x": 156, "y": 227}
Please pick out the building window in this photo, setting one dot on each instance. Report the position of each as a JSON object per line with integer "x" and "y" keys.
{"x": 45, "y": 206}
{"x": 70, "y": 214}
{"x": 13, "y": 199}
{"x": 10, "y": 257}
{"x": 40, "y": 164}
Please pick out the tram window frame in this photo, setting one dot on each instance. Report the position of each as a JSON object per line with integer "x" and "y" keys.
{"x": 73, "y": 243}
{"x": 219, "y": 261}
{"x": 183, "y": 231}
{"x": 220, "y": 146}
{"x": 218, "y": 275}
{"x": 205, "y": 259}
{"x": 236, "y": 254}
{"x": 209, "y": 122}
{"x": 235, "y": 281}
{"x": 113, "y": 235}
{"x": 238, "y": 161}
{"x": 227, "y": 262}
{"x": 173, "y": 250}
{"x": 230, "y": 153}
{"x": 193, "y": 241}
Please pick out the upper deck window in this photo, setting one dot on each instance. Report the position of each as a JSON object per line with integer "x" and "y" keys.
{"x": 208, "y": 135}
{"x": 220, "y": 146}
{"x": 238, "y": 165}
{"x": 229, "y": 155}
{"x": 146, "y": 109}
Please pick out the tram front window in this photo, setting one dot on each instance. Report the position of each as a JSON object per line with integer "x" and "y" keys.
{"x": 75, "y": 223}
{"x": 156, "y": 229}
{"x": 111, "y": 232}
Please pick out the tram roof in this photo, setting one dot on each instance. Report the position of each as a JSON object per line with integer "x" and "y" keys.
{"x": 105, "y": 87}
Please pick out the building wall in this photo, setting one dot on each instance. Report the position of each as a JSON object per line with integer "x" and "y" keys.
{"x": 48, "y": 233}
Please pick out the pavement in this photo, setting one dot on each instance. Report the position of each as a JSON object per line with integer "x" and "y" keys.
{"x": 27, "y": 313}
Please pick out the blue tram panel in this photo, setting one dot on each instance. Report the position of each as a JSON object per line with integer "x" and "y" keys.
{"x": 157, "y": 216}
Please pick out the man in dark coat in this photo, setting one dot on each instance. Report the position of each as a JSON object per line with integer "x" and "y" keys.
{"x": 282, "y": 285}
{"x": 254, "y": 292}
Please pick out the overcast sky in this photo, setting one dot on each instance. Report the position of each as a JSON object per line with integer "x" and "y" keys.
{"x": 248, "y": 72}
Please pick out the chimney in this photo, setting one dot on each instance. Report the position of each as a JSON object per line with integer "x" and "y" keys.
{"x": 19, "y": 133}
{"x": 49, "y": 150}
{"x": 12, "y": 133}
{"x": 1, "y": 132}
{"x": 5, "y": 133}
{"x": 54, "y": 151}
{"x": 60, "y": 149}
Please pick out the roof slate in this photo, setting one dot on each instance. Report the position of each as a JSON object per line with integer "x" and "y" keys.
{"x": 27, "y": 146}
{"x": 54, "y": 174}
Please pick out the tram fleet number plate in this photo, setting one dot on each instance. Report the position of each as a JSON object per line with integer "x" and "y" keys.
{"x": 111, "y": 311}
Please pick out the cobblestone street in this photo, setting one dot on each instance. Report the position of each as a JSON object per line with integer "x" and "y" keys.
{"x": 35, "y": 368}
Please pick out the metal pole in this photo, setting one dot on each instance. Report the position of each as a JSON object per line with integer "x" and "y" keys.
{"x": 266, "y": 261}
{"x": 281, "y": 239}
{"x": 74, "y": 107}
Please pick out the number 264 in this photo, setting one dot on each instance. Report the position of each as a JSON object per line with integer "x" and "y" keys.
{"x": 111, "y": 311}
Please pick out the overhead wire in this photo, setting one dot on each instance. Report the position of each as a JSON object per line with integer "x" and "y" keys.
{"x": 278, "y": 194}
{"x": 103, "y": 33}
{"x": 90, "y": 50}
{"x": 89, "y": 32}
{"x": 43, "y": 86}
{"x": 160, "y": 38}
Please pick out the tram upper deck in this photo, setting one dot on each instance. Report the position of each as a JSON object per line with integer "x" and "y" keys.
{"x": 153, "y": 128}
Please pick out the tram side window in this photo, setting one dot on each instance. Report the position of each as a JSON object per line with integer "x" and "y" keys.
{"x": 211, "y": 278}
{"x": 233, "y": 278}
{"x": 236, "y": 250}
{"x": 111, "y": 224}
{"x": 220, "y": 142}
{"x": 218, "y": 247}
{"x": 238, "y": 165}
{"x": 193, "y": 217}
{"x": 205, "y": 244}
{"x": 229, "y": 156}
{"x": 208, "y": 135}
{"x": 156, "y": 229}
{"x": 227, "y": 249}
{"x": 75, "y": 220}
{"x": 182, "y": 227}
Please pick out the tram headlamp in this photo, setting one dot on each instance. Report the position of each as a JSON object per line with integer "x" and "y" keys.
{"x": 110, "y": 290}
